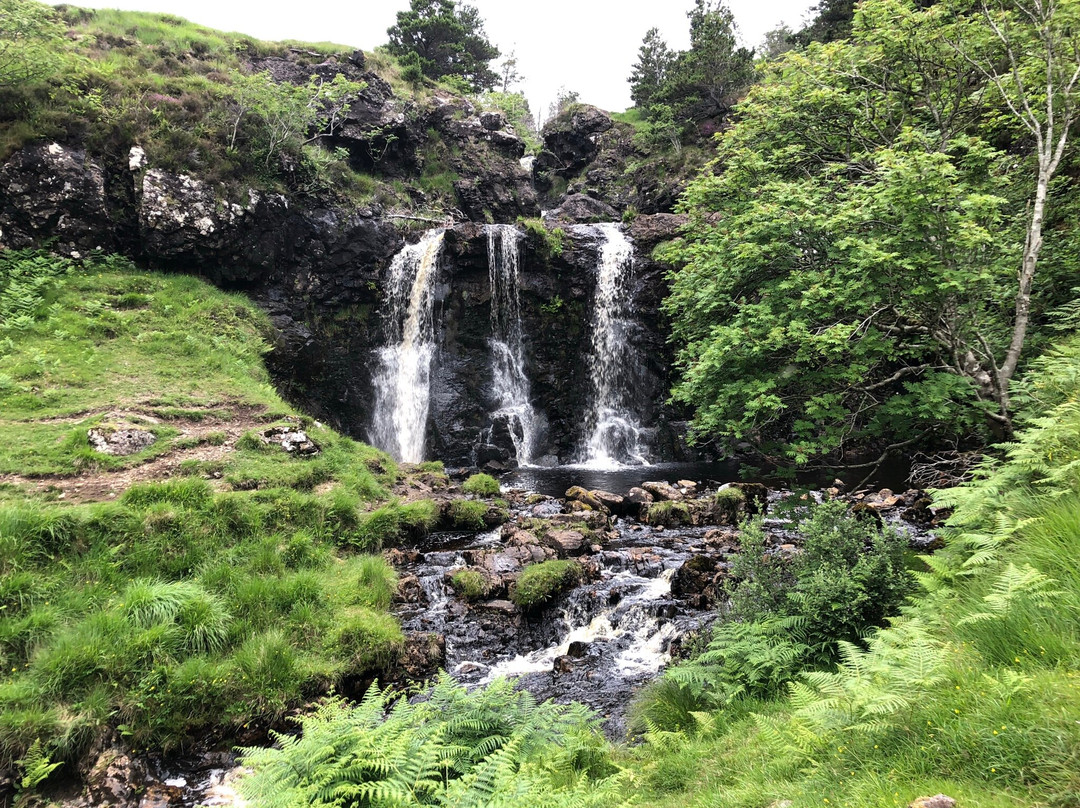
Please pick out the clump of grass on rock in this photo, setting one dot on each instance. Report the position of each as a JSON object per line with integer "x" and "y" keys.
{"x": 483, "y": 485}
{"x": 541, "y": 583}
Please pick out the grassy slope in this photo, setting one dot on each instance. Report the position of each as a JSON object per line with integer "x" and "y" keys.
{"x": 974, "y": 692}
{"x": 220, "y": 597}
{"x": 166, "y": 84}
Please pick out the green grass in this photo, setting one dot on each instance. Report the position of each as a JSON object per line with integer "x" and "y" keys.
{"x": 470, "y": 584}
{"x": 483, "y": 485}
{"x": 541, "y": 583}
{"x": 468, "y": 514}
{"x": 180, "y": 608}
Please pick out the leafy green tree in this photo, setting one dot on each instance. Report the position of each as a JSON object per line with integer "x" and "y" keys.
{"x": 449, "y": 41}
{"x": 777, "y": 42}
{"x": 706, "y": 81}
{"x": 651, "y": 70}
{"x": 847, "y": 277}
{"x": 832, "y": 21}
{"x": 278, "y": 116}
{"x": 31, "y": 36}
{"x": 1030, "y": 53}
{"x": 508, "y": 72}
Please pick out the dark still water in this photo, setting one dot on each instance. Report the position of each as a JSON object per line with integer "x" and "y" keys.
{"x": 554, "y": 481}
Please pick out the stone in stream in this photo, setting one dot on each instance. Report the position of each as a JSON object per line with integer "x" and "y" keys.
{"x": 160, "y": 795}
{"x": 410, "y": 590}
{"x": 639, "y": 496}
{"x": 500, "y": 607}
{"x": 565, "y": 542}
{"x": 577, "y": 649}
{"x": 663, "y": 490}
{"x": 699, "y": 581}
{"x": 115, "y": 779}
{"x": 422, "y": 655}
{"x": 580, "y": 495}
{"x": 609, "y": 501}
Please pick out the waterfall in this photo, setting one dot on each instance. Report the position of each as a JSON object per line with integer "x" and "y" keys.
{"x": 613, "y": 434}
{"x": 510, "y": 386}
{"x": 403, "y": 379}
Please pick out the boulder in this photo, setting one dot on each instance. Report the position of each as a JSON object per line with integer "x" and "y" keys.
{"x": 756, "y": 496}
{"x": 409, "y": 590}
{"x": 116, "y": 779}
{"x": 571, "y": 139}
{"x": 500, "y": 607}
{"x": 609, "y": 501}
{"x": 582, "y": 209}
{"x": 699, "y": 581}
{"x": 52, "y": 191}
{"x": 119, "y": 442}
{"x": 161, "y": 795}
{"x": 565, "y": 542}
{"x": 578, "y": 494}
{"x": 663, "y": 490}
{"x": 648, "y": 231}
{"x": 291, "y": 439}
{"x": 563, "y": 664}
{"x": 937, "y": 801}
{"x": 639, "y": 496}
{"x": 422, "y": 655}
{"x": 577, "y": 649}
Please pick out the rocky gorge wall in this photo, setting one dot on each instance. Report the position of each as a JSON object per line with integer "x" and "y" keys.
{"x": 318, "y": 267}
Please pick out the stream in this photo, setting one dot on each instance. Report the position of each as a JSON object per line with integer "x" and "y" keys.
{"x": 596, "y": 644}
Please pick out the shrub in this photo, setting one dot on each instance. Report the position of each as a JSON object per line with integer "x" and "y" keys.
{"x": 541, "y": 583}
{"x": 483, "y": 485}
{"x": 849, "y": 576}
{"x": 491, "y": 746}
{"x": 470, "y": 584}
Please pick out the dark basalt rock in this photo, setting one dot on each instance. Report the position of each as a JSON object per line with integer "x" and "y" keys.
{"x": 580, "y": 208}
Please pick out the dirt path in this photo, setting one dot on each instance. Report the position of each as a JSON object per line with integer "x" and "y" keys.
{"x": 231, "y": 419}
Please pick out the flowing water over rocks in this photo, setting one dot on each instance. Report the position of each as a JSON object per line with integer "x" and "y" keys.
{"x": 510, "y": 385}
{"x": 403, "y": 379}
{"x": 614, "y": 435}
{"x": 598, "y": 644}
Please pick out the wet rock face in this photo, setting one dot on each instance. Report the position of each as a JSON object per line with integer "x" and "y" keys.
{"x": 54, "y": 191}
{"x": 116, "y": 779}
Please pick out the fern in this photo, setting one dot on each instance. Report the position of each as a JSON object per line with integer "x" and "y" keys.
{"x": 36, "y": 766}
{"x": 1014, "y": 586}
{"x": 495, "y": 746}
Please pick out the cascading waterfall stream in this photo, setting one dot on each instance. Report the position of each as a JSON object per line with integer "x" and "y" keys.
{"x": 403, "y": 379}
{"x": 510, "y": 385}
{"x": 613, "y": 433}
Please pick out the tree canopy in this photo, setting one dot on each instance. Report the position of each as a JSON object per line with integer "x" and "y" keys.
{"x": 678, "y": 89}
{"x": 850, "y": 275}
{"x": 448, "y": 40}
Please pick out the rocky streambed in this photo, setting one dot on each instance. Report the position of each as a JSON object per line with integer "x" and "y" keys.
{"x": 648, "y": 571}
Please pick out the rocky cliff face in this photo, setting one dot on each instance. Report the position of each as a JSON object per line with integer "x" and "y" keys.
{"x": 319, "y": 268}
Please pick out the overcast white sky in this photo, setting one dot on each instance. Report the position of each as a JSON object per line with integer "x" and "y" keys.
{"x": 587, "y": 46}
